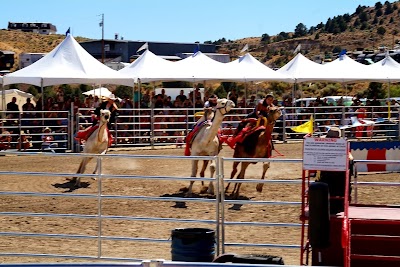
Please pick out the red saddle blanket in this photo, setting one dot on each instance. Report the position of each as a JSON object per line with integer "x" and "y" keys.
{"x": 85, "y": 134}
{"x": 232, "y": 140}
{"x": 192, "y": 134}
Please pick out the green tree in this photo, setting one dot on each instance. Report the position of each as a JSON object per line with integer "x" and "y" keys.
{"x": 300, "y": 30}
{"x": 121, "y": 91}
{"x": 379, "y": 13}
{"x": 375, "y": 89}
{"x": 381, "y": 31}
{"x": 265, "y": 38}
{"x": 378, "y": 5}
{"x": 363, "y": 16}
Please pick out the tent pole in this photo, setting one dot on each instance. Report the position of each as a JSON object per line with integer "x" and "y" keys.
{"x": 41, "y": 88}
{"x": 3, "y": 100}
{"x": 140, "y": 113}
{"x": 389, "y": 115}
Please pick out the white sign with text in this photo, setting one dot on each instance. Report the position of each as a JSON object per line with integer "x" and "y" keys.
{"x": 325, "y": 154}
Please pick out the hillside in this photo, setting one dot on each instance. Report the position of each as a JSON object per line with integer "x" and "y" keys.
{"x": 27, "y": 42}
{"x": 368, "y": 28}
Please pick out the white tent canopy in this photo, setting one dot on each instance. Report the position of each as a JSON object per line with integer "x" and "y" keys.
{"x": 301, "y": 69}
{"x": 150, "y": 67}
{"x": 100, "y": 92}
{"x": 345, "y": 69}
{"x": 247, "y": 68}
{"x": 68, "y": 63}
{"x": 388, "y": 68}
{"x": 199, "y": 67}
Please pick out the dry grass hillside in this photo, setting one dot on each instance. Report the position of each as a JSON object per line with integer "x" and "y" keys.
{"x": 27, "y": 42}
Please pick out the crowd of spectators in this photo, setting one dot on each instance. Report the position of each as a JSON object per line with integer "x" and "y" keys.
{"x": 170, "y": 119}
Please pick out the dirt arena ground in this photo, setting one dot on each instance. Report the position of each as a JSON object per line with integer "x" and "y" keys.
{"x": 150, "y": 209}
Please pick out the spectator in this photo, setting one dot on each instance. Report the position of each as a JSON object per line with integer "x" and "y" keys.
{"x": 12, "y": 106}
{"x": 96, "y": 102}
{"x": 28, "y": 106}
{"x": 48, "y": 143}
{"x": 182, "y": 97}
{"x": 23, "y": 142}
{"x": 232, "y": 95}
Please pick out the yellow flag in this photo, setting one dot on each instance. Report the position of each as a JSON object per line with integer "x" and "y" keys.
{"x": 307, "y": 127}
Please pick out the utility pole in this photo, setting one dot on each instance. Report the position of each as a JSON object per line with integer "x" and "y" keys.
{"x": 102, "y": 37}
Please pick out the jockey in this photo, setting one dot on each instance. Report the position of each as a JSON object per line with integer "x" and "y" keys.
{"x": 261, "y": 110}
{"x": 111, "y": 106}
{"x": 209, "y": 109}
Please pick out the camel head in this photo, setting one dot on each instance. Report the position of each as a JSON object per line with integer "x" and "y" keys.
{"x": 224, "y": 105}
{"x": 274, "y": 114}
{"x": 105, "y": 115}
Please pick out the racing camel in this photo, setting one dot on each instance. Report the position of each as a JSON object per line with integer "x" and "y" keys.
{"x": 97, "y": 143}
{"x": 206, "y": 142}
{"x": 257, "y": 144}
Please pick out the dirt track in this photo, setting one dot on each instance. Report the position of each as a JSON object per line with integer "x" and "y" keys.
{"x": 148, "y": 209}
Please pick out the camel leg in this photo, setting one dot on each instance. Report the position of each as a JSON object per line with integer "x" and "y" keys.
{"x": 97, "y": 164}
{"x": 243, "y": 168}
{"x": 194, "y": 173}
{"x": 233, "y": 173}
{"x": 81, "y": 169}
{"x": 203, "y": 170}
{"x": 211, "y": 185}
{"x": 259, "y": 186}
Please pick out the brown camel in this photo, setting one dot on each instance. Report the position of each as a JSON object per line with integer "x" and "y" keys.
{"x": 256, "y": 145}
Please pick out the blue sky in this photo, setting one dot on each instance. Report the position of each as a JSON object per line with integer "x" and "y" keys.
{"x": 176, "y": 20}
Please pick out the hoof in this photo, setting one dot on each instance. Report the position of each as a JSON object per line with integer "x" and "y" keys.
{"x": 259, "y": 187}
{"x": 204, "y": 190}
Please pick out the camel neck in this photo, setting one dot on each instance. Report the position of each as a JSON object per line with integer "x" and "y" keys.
{"x": 215, "y": 124}
{"x": 102, "y": 133}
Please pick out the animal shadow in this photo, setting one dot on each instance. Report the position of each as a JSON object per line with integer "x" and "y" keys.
{"x": 70, "y": 185}
{"x": 181, "y": 194}
{"x": 236, "y": 206}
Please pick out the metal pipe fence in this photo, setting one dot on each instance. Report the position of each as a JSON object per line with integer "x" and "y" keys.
{"x": 169, "y": 126}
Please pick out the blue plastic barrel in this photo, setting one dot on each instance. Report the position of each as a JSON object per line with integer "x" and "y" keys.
{"x": 193, "y": 244}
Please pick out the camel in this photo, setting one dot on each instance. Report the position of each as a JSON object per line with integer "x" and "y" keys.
{"x": 256, "y": 145}
{"x": 206, "y": 142}
{"x": 97, "y": 143}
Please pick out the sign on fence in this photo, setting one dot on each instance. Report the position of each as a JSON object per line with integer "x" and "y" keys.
{"x": 328, "y": 154}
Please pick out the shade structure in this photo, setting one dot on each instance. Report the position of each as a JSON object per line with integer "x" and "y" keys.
{"x": 346, "y": 70}
{"x": 388, "y": 68}
{"x": 301, "y": 69}
{"x": 150, "y": 67}
{"x": 68, "y": 63}
{"x": 100, "y": 92}
{"x": 199, "y": 67}
{"x": 248, "y": 69}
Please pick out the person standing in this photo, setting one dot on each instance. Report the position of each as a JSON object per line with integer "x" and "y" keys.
{"x": 12, "y": 106}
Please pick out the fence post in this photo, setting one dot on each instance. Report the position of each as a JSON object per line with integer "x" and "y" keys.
{"x": 284, "y": 125}
{"x": 152, "y": 128}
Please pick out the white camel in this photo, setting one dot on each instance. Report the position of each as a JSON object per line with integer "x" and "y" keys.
{"x": 97, "y": 143}
{"x": 206, "y": 142}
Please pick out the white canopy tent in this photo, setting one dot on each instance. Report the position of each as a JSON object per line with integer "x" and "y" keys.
{"x": 388, "y": 68}
{"x": 150, "y": 67}
{"x": 100, "y": 92}
{"x": 345, "y": 70}
{"x": 68, "y": 63}
{"x": 199, "y": 68}
{"x": 247, "y": 69}
{"x": 301, "y": 69}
